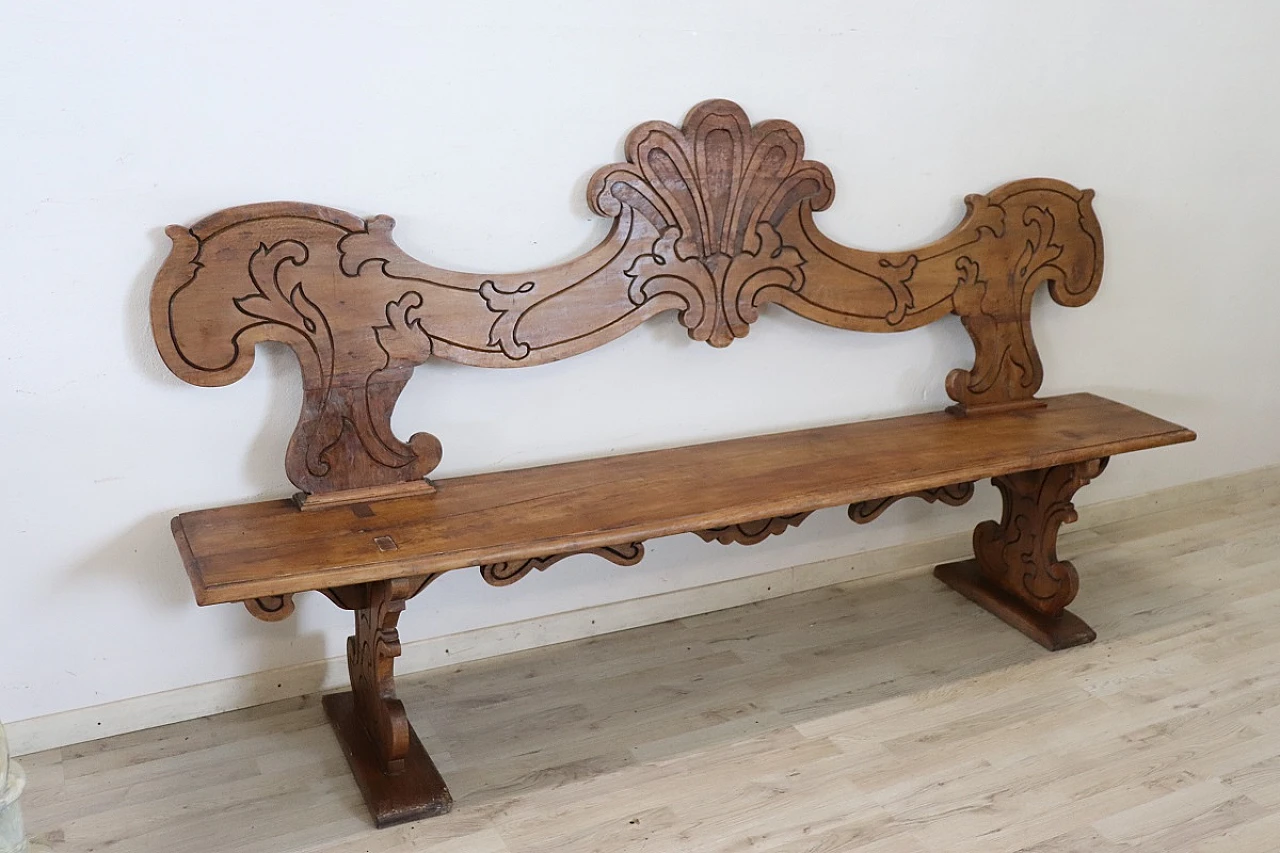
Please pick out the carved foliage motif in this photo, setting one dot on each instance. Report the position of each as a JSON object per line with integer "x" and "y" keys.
{"x": 752, "y": 532}
{"x": 1019, "y": 553}
{"x": 217, "y": 296}
{"x": 712, "y": 219}
{"x": 952, "y": 495}
{"x": 504, "y": 574}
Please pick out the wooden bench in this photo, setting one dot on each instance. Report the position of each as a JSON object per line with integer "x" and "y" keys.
{"x": 712, "y": 220}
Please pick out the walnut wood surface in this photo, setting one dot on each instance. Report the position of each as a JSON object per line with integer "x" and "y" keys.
{"x": 712, "y": 220}
{"x": 263, "y": 549}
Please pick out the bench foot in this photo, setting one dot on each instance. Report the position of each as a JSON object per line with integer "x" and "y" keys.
{"x": 1016, "y": 573}
{"x": 1053, "y": 632}
{"x": 397, "y": 778}
{"x": 416, "y": 792}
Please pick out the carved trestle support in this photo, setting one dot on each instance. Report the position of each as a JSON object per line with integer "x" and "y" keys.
{"x": 953, "y": 495}
{"x": 1020, "y": 552}
{"x": 393, "y": 770}
{"x": 371, "y": 654}
{"x": 396, "y": 776}
{"x": 1016, "y": 573}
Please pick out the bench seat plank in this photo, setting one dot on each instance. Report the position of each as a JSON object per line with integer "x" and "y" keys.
{"x": 270, "y": 548}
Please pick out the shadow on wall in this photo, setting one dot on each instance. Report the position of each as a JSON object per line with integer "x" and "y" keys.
{"x": 142, "y": 557}
{"x": 143, "y": 563}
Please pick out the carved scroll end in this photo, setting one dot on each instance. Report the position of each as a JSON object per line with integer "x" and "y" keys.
{"x": 955, "y": 494}
{"x": 179, "y": 270}
{"x": 180, "y": 266}
{"x": 507, "y": 573}
{"x": 1083, "y": 259}
{"x": 271, "y": 608}
{"x": 752, "y": 532}
{"x": 1050, "y": 236}
{"x": 271, "y": 272}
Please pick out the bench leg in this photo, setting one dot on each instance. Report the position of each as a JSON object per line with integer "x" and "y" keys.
{"x": 393, "y": 770}
{"x": 1016, "y": 573}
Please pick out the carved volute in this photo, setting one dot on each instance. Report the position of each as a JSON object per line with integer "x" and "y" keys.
{"x": 712, "y": 220}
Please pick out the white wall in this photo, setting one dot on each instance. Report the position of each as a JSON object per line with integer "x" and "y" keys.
{"x": 476, "y": 124}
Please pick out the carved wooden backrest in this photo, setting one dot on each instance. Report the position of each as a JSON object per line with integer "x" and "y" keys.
{"x": 713, "y": 220}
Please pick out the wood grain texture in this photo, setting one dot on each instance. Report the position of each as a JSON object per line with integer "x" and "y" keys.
{"x": 712, "y": 220}
{"x": 263, "y": 549}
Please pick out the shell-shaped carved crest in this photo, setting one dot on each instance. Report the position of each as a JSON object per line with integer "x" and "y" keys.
{"x": 716, "y": 191}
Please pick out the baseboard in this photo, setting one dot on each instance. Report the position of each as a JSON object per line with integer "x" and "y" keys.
{"x": 158, "y": 709}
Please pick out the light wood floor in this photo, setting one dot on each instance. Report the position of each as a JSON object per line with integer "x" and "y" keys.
{"x": 882, "y": 715}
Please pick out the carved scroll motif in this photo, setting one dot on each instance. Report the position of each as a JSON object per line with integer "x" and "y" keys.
{"x": 952, "y": 495}
{"x": 275, "y": 608}
{"x": 712, "y": 219}
{"x": 752, "y": 532}
{"x": 1019, "y": 553}
{"x": 371, "y": 655}
{"x": 504, "y": 574}
{"x": 271, "y": 608}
